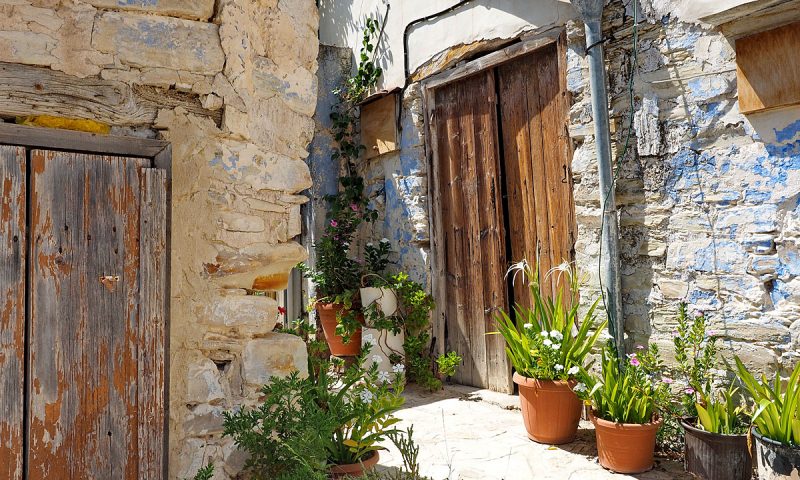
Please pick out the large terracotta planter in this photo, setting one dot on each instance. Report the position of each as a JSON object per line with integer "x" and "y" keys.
{"x": 327, "y": 313}
{"x": 776, "y": 461}
{"x": 354, "y": 470}
{"x": 550, "y": 409}
{"x": 712, "y": 456}
{"x": 625, "y": 447}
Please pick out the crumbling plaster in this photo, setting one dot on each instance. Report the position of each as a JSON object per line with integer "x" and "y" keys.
{"x": 235, "y": 183}
{"x": 710, "y": 204}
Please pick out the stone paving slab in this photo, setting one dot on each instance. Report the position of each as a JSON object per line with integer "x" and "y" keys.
{"x": 469, "y": 434}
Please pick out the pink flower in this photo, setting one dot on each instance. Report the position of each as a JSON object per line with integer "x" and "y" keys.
{"x": 675, "y": 333}
{"x": 354, "y": 207}
{"x": 635, "y": 361}
{"x": 639, "y": 347}
{"x": 667, "y": 380}
{"x": 697, "y": 314}
{"x": 689, "y": 391}
{"x": 334, "y": 223}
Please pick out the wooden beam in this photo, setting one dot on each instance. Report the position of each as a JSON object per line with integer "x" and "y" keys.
{"x": 67, "y": 140}
{"x": 27, "y": 90}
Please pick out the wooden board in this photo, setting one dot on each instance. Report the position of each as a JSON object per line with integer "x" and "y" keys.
{"x": 537, "y": 157}
{"x": 152, "y": 331}
{"x": 767, "y": 70}
{"x": 379, "y": 126}
{"x": 12, "y": 310}
{"x": 472, "y": 228}
{"x": 27, "y": 90}
{"x": 84, "y": 315}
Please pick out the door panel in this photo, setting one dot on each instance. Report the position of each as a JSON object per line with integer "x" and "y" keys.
{"x": 84, "y": 305}
{"x": 472, "y": 227}
{"x": 537, "y": 160}
{"x": 12, "y": 310}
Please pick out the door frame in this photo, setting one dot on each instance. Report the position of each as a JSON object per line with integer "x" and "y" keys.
{"x": 159, "y": 152}
{"x": 528, "y": 44}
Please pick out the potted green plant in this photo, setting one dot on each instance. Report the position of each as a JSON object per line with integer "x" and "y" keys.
{"x": 714, "y": 423}
{"x": 776, "y": 428}
{"x": 547, "y": 346}
{"x": 318, "y": 427}
{"x": 337, "y": 276}
{"x": 624, "y": 400}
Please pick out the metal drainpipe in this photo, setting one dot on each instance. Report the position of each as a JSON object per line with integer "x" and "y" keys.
{"x": 591, "y": 12}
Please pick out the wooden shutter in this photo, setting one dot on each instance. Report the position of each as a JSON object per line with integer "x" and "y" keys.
{"x": 537, "y": 155}
{"x": 12, "y": 310}
{"x": 472, "y": 227}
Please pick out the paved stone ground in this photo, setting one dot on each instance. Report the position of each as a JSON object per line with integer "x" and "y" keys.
{"x": 466, "y": 433}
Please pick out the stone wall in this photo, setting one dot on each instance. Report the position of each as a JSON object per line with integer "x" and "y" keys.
{"x": 232, "y": 85}
{"x": 709, "y": 199}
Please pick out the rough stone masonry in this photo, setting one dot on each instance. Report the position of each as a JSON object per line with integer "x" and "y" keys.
{"x": 233, "y": 87}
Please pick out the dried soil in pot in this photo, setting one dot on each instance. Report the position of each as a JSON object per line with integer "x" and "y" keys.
{"x": 550, "y": 409}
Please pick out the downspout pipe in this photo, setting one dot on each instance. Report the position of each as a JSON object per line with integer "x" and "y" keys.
{"x": 591, "y": 12}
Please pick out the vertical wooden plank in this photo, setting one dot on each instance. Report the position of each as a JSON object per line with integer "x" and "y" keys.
{"x": 472, "y": 98}
{"x": 12, "y": 310}
{"x": 518, "y": 163}
{"x": 492, "y": 237}
{"x": 450, "y": 151}
{"x": 83, "y": 316}
{"x": 152, "y": 329}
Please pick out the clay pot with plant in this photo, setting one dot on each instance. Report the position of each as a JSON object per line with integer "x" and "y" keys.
{"x": 715, "y": 423}
{"x": 548, "y": 345}
{"x": 335, "y": 274}
{"x": 624, "y": 400}
{"x": 776, "y": 423}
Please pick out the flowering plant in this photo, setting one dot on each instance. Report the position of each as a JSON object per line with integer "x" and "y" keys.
{"x": 549, "y": 341}
{"x": 627, "y": 391}
{"x": 696, "y": 357}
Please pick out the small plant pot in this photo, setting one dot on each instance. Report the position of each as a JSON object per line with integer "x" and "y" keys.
{"x": 712, "y": 456}
{"x": 384, "y": 297}
{"x": 327, "y": 313}
{"x": 625, "y": 447}
{"x": 550, "y": 409}
{"x": 354, "y": 470}
{"x": 776, "y": 461}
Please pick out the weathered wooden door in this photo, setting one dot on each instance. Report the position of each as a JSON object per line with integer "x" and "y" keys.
{"x": 88, "y": 310}
{"x": 504, "y": 188}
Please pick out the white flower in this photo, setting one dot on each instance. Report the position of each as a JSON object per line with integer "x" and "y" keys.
{"x": 399, "y": 368}
{"x": 383, "y": 377}
{"x": 527, "y": 326}
{"x": 384, "y": 240}
{"x": 366, "y": 396}
{"x": 580, "y": 388}
{"x": 559, "y": 367}
{"x": 547, "y": 342}
{"x": 557, "y": 335}
{"x": 573, "y": 370}
{"x": 544, "y": 334}
{"x": 369, "y": 339}
{"x": 556, "y": 346}
{"x": 369, "y": 244}
{"x": 377, "y": 359}
{"x": 517, "y": 268}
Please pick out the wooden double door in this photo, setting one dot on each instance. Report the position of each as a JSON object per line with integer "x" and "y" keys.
{"x": 82, "y": 316}
{"x": 502, "y": 167}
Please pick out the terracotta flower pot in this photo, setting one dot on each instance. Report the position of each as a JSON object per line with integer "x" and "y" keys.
{"x": 327, "y": 312}
{"x": 625, "y": 447}
{"x": 776, "y": 461}
{"x": 550, "y": 409}
{"x": 712, "y": 456}
{"x": 354, "y": 470}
